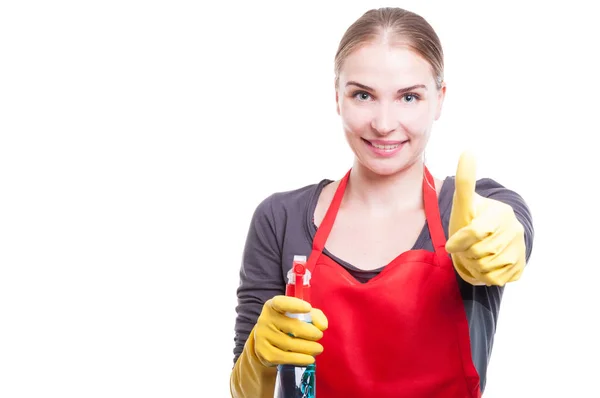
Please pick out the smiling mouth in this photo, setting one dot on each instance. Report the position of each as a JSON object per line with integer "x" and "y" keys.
{"x": 385, "y": 147}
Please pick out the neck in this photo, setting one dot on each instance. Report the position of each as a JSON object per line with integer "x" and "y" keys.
{"x": 381, "y": 194}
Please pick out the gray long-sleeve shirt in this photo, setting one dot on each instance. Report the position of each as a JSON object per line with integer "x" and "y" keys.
{"x": 282, "y": 226}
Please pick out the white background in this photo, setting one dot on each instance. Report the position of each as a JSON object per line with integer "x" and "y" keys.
{"x": 137, "y": 139}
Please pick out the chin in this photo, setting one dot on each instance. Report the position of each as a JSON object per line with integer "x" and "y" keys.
{"x": 387, "y": 167}
{"x": 384, "y": 168}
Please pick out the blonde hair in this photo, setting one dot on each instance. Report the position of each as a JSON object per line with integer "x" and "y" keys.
{"x": 400, "y": 25}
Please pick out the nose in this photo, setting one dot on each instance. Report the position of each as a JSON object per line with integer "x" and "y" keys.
{"x": 385, "y": 120}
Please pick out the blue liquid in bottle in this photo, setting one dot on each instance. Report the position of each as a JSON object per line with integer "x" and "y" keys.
{"x": 295, "y": 382}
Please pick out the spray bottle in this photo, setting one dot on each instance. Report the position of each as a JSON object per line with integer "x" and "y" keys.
{"x": 297, "y": 381}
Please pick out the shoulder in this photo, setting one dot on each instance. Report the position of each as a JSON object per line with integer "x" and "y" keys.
{"x": 491, "y": 189}
{"x": 486, "y": 187}
{"x": 280, "y": 205}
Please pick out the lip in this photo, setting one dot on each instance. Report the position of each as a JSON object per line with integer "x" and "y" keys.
{"x": 382, "y": 152}
{"x": 385, "y": 142}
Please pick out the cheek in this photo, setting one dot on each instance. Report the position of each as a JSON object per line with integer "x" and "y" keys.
{"x": 417, "y": 121}
{"x": 356, "y": 120}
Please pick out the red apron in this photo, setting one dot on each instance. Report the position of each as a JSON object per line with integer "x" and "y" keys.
{"x": 404, "y": 333}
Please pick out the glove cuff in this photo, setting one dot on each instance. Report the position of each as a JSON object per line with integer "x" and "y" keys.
{"x": 249, "y": 377}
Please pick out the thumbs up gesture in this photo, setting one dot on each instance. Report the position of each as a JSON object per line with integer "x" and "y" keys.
{"x": 486, "y": 241}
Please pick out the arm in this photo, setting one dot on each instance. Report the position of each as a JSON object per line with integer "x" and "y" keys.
{"x": 261, "y": 275}
{"x": 260, "y": 279}
{"x": 262, "y": 329}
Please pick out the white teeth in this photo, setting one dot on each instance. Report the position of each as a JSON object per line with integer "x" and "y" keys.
{"x": 386, "y": 147}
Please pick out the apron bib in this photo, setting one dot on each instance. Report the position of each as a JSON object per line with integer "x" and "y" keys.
{"x": 404, "y": 333}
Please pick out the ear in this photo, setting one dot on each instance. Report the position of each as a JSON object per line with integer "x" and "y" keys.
{"x": 441, "y": 97}
{"x": 337, "y": 95}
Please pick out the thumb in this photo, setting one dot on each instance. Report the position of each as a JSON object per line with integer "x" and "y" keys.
{"x": 464, "y": 191}
{"x": 319, "y": 319}
{"x": 283, "y": 304}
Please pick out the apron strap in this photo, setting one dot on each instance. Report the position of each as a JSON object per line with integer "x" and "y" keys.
{"x": 327, "y": 224}
{"x": 434, "y": 220}
{"x": 432, "y": 213}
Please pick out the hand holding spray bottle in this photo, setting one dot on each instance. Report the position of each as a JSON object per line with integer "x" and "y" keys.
{"x": 297, "y": 381}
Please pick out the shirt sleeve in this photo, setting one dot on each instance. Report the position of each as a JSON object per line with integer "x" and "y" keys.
{"x": 260, "y": 273}
{"x": 482, "y": 303}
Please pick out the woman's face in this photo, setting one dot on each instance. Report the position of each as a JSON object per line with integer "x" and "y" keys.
{"x": 388, "y": 100}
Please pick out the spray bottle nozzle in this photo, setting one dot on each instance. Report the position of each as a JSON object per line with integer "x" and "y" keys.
{"x": 299, "y": 270}
{"x": 299, "y": 279}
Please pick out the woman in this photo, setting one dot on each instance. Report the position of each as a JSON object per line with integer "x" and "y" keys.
{"x": 398, "y": 310}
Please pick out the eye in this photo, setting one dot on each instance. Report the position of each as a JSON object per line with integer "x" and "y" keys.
{"x": 410, "y": 97}
{"x": 362, "y": 95}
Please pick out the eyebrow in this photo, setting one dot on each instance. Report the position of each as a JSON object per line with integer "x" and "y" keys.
{"x": 401, "y": 91}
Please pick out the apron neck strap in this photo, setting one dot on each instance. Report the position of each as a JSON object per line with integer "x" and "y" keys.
{"x": 327, "y": 223}
{"x": 434, "y": 220}
{"x": 432, "y": 213}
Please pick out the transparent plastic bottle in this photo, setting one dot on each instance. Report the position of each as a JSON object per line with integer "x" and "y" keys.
{"x": 297, "y": 381}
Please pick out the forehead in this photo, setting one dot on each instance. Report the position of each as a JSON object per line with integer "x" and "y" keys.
{"x": 383, "y": 65}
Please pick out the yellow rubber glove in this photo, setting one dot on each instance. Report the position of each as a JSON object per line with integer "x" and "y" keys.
{"x": 486, "y": 241}
{"x": 270, "y": 344}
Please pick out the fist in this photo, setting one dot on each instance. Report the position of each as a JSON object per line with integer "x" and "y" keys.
{"x": 280, "y": 339}
{"x": 486, "y": 241}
